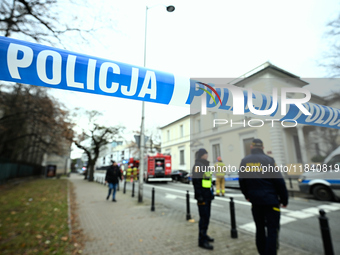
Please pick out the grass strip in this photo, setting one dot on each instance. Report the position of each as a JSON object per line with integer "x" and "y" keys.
{"x": 34, "y": 218}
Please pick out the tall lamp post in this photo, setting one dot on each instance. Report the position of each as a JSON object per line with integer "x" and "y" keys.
{"x": 169, "y": 8}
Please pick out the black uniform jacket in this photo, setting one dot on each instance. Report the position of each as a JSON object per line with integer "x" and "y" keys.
{"x": 197, "y": 176}
{"x": 262, "y": 185}
{"x": 112, "y": 174}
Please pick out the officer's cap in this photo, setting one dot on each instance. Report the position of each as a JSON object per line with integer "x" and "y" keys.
{"x": 257, "y": 143}
{"x": 201, "y": 152}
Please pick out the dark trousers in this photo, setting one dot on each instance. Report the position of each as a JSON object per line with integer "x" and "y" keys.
{"x": 267, "y": 221}
{"x": 112, "y": 188}
{"x": 204, "y": 212}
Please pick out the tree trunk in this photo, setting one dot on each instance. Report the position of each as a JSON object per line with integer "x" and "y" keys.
{"x": 91, "y": 172}
{"x": 86, "y": 172}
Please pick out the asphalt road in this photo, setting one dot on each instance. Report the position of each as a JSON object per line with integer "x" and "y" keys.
{"x": 299, "y": 221}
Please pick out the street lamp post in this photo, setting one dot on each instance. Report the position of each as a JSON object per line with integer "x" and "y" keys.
{"x": 169, "y": 8}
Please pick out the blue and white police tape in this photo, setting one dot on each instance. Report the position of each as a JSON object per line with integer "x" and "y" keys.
{"x": 252, "y": 103}
{"x": 40, "y": 65}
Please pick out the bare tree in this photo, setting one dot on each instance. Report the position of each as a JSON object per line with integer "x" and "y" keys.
{"x": 92, "y": 140}
{"x": 332, "y": 57}
{"x": 40, "y": 20}
{"x": 154, "y": 142}
{"x": 32, "y": 124}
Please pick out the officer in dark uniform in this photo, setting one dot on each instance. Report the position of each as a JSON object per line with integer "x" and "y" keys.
{"x": 201, "y": 179}
{"x": 262, "y": 184}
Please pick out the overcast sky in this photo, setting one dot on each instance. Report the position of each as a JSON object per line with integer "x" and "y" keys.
{"x": 205, "y": 39}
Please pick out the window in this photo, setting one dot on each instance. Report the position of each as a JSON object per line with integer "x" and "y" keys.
{"x": 181, "y": 131}
{"x": 104, "y": 161}
{"x": 246, "y": 145}
{"x": 214, "y": 116}
{"x": 216, "y": 151}
{"x": 168, "y": 135}
{"x": 317, "y": 149}
{"x": 297, "y": 149}
{"x": 333, "y": 162}
{"x": 181, "y": 157}
{"x": 198, "y": 126}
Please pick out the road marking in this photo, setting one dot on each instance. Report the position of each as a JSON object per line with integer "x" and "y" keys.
{"x": 284, "y": 210}
{"x": 180, "y": 184}
{"x": 285, "y": 219}
{"x": 233, "y": 195}
{"x": 250, "y": 227}
{"x": 300, "y": 215}
{"x": 192, "y": 193}
{"x": 175, "y": 190}
{"x": 311, "y": 210}
{"x": 336, "y": 204}
{"x": 224, "y": 199}
{"x": 170, "y": 196}
{"x": 328, "y": 208}
{"x": 192, "y": 201}
{"x": 291, "y": 216}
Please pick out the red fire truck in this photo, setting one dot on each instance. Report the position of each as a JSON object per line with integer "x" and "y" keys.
{"x": 158, "y": 168}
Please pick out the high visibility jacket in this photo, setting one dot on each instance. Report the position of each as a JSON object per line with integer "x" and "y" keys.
{"x": 219, "y": 169}
{"x": 207, "y": 180}
{"x": 134, "y": 173}
{"x": 197, "y": 180}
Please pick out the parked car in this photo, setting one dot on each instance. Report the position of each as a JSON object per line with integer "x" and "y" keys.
{"x": 181, "y": 176}
{"x": 82, "y": 170}
{"x": 230, "y": 180}
{"x": 103, "y": 168}
{"x": 323, "y": 180}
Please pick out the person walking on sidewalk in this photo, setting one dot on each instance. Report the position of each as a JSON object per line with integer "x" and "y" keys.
{"x": 112, "y": 175}
{"x": 201, "y": 179}
{"x": 266, "y": 190}
{"x": 220, "y": 189}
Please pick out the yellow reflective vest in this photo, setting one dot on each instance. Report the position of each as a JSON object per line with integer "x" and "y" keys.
{"x": 207, "y": 180}
{"x": 219, "y": 170}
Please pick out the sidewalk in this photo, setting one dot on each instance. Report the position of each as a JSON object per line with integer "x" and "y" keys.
{"x": 127, "y": 227}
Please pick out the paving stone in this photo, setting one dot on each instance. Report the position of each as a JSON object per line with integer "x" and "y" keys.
{"x": 127, "y": 227}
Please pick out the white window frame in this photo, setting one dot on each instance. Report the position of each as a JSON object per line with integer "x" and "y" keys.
{"x": 181, "y": 130}
{"x": 252, "y": 134}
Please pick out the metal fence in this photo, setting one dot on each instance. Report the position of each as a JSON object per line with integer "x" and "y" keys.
{"x": 10, "y": 170}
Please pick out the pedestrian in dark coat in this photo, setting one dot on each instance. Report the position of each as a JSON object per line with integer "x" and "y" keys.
{"x": 262, "y": 184}
{"x": 201, "y": 179}
{"x": 113, "y": 175}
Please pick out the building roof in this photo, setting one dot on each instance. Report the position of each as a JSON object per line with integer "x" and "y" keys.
{"x": 265, "y": 66}
{"x": 188, "y": 115}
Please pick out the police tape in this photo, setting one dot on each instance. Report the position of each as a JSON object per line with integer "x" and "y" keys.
{"x": 40, "y": 65}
